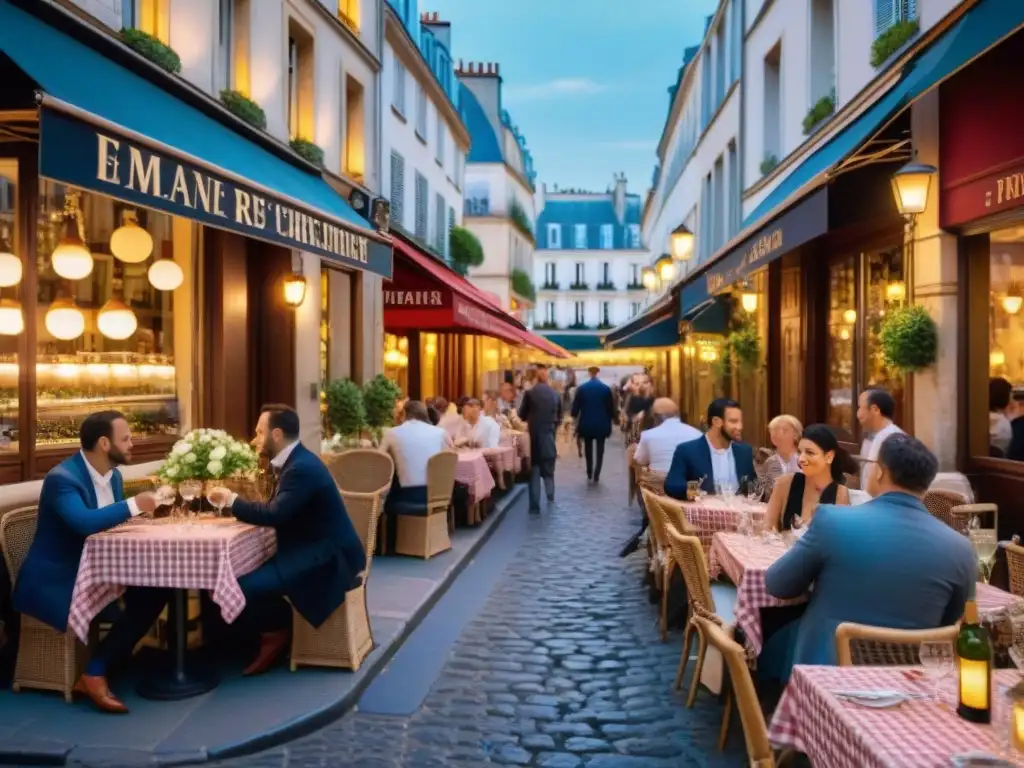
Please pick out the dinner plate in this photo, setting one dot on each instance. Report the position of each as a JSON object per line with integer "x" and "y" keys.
{"x": 875, "y": 699}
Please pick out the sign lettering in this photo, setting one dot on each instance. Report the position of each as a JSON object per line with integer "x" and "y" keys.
{"x": 412, "y": 299}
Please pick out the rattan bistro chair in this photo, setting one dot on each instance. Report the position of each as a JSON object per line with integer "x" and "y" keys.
{"x": 424, "y": 532}
{"x": 346, "y": 637}
{"x": 860, "y": 645}
{"x": 1015, "y": 566}
{"x": 941, "y": 505}
{"x": 663, "y": 563}
{"x": 47, "y": 659}
{"x": 363, "y": 470}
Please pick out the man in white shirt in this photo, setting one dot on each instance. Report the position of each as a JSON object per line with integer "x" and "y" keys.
{"x": 411, "y": 444}
{"x": 875, "y": 409}
{"x": 478, "y": 430}
{"x": 658, "y": 445}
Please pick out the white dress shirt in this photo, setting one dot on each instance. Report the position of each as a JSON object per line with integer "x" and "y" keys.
{"x": 485, "y": 433}
{"x": 658, "y": 445}
{"x": 104, "y": 488}
{"x": 869, "y": 449}
{"x": 1000, "y": 433}
{"x": 723, "y": 465}
{"x": 411, "y": 444}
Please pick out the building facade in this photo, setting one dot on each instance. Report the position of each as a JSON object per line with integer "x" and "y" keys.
{"x": 500, "y": 189}
{"x": 588, "y": 262}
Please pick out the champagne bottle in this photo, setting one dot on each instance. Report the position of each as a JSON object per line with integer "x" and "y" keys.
{"x": 974, "y": 660}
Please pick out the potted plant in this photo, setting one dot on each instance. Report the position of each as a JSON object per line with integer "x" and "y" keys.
{"x": 308, "y": 150}
{"x": 379, "y": 396}
{"x": 346, "y": 412}
{"x": 153, "y": 49}
{"x": 892, "y": 40}
{"x": 245, "y": 108}
{"x": 909, "y": 339}
{"x": 744, "y": 347}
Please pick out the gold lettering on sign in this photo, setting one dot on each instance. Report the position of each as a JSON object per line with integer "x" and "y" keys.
{"x": 1009, "y": 188}
{"x": 143, "y": 177}
{"x": 107, "y": 170}
{"x": 204, "y": 191}
{"x": 242, "y": 204}
{"x": 180, "y": 186}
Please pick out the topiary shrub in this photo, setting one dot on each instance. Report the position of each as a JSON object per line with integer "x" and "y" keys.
{"x": 308, "y": 150}
{"x": 744, "y": 347}
{"x": 379, "y": 396}
{"x": 346, "y": 413}
{"x": 465, "y": 250}
{"x": 245, "y": 108}
{"x": 153, "y": 49}
{"x": 523, "y": 285}
{"x": 909, "y": 339}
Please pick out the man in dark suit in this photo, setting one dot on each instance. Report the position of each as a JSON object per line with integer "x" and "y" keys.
{"x": 594, "y": 406}
{"x": 81, "y": 496}
{"x": 541, "y": 409}
{"x": 718, "y": 457}
{"x": 319, "y": 555}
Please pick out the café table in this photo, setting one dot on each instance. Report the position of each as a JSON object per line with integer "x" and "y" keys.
{"x": 502, "y": 459}
{"x": 206, "y": 553}
{"x": 1002, "y": 613}
{"x": 473, "y": 471}
{"x": 713, "y": 514}
{"x": 919, "y": 733}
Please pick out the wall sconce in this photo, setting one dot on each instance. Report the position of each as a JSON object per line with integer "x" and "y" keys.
{"x": 665, "y": 268}
{"x": 896, "y": 291}
{"x": 748, "y": 300}
{"x": 649, "y": 278}
{"x": 295, "y": 285}
{"x": 996, "y": 359}
{"x": 1013, "y": 300}
{"x": 681, "y": 242}
{"x": 910, "y": 186}
{"x": 850, "y": 316}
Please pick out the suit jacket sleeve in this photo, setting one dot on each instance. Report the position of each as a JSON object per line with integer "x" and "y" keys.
{"x": 70, "y": 506}
{"x": 793, "y": 574}
{"x": 292, "y": 496}
{"x": 576, "y": 403}
{"x": 675, "y": 480}
{"x": 524, "y": 407}
{"x": 609, "y": 401}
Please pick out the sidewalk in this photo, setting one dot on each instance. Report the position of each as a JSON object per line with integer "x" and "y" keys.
{"x": 242, "y": 714}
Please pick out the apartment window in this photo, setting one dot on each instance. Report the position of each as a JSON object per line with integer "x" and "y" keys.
{"x": 579, "y": 236}
{"x": 153, "y": 18}
{"x": 734, "y": 191}
{"x": 554, "y": 236}
{"x": 719, "y": 205}
{"x": 422, "y": 203}
{"x": 823, "y": 49}
{"x": 720, "y": 59}
{"x": 606, "y": 273}
{"x": 549, "y": 313}
{"x": 549, "y": 273}
{"x": 459, "y": 160}
{"x": 397, "y": 188}
{"x": 439, "y": 221}
{"x": 300, "y": 82}
{"x": 354, "y": 159}
{"x": 578, "y": 313}
{"x": 398, "y": 97}
{"x": 606, "y": 313}
{"x": 442, "y": 138}
{"x": 888, "y": 12}
{"x": 634, "y": 235}
{"x": 634, "y": 274}
{"x": 606, "y": 237}
{"x": 772, "y": 105}
{"x": 704, "y": 233}
{"x": 735, "y": 40}
{"x": 128, "y": 14}
{"x": 634, "y": 308}
{"x": 348, "y": 12}
{"x": 421, "y": 112}
{"x": 580, "y": 273}
{"x": 225, "y": 13}
{"x": 448, "y": 234}
{"x": 705, "y": 87}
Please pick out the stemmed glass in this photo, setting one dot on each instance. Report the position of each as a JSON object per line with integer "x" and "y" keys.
{"x": 166, "y": 496}
{"x": 985, "y": 544}
{"x": 937, "y": 660}
{"x": 190, "y": 490}
{"x": 214, "y": 498}
{"x": 755, "y": 490}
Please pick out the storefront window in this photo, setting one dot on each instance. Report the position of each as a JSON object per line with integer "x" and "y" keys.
{"x": 428, "y": 365}
{"x": 749, "y": 353}
{"x": 104, "y": 332}
{"x": 396, "y": 360}
{"x": 885, "y": 290}
{"x": 1006, "y": 339}
{"x": 842, "y": 325}
{"x": 11, "y": 314}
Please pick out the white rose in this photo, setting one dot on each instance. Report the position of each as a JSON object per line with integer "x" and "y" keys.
{"x": 204, "y": 438}
{"x": 218, "y": 453}
{"x": 214, "y": 467}
{"x": 172, "y": 472}
{"x": 190, "y": 458}
{"x": 180, "y": 447}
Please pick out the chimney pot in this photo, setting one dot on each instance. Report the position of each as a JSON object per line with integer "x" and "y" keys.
{"x": 435, "y": 16}
{"x": 495, "y": 67}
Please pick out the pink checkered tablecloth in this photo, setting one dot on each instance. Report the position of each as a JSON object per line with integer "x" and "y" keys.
{"x": 208, "y": 554}
{"x": 916, "y": 734}
{"x": 472, "y": 471}
{"x": 502, "y": 458}
{"x": 712, "y": 514}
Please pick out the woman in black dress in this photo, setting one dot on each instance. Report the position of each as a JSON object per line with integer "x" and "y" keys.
{"x": 820, "y": 481}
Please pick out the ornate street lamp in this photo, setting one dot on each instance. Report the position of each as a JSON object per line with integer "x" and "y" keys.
{"x": 649, "y": 277}
{"x": 910, "y": 187}
{"x": 295, "y": 289}
{"x": 682, "y": 243}
{"x": 665, "y": 268}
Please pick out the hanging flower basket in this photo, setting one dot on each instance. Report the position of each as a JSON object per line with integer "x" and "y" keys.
{"x": 909, "y": 339}
{"x": 745, "y": 347}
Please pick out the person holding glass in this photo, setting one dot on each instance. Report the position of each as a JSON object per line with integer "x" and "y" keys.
{"x": 820, "y": 479}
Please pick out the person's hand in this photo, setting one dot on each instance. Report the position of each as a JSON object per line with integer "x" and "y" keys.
{"x": 146, "y": 502}
{"x": 219, "y": 497}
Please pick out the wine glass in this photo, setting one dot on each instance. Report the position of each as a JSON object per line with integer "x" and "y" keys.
{"x": 190, "y": 490}
{"x": 937, "y": 660}
{"x": 214, "y": 498}
{"x": 985, "y": 544}
{"x": 755, "y": 490}
{"x": 166, "y": 496}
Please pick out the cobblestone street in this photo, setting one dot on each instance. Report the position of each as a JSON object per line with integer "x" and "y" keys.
{"x": 562, "y": 668}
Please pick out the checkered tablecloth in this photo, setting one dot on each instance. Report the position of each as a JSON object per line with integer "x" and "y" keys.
{"x": 208, "y": 554}
{"x": 712, "y": 515}
{"x": 473, "y": 472}
{"x": 1003, "y": 614}
{"x": 521, "y": 442}
{"x": 502, "y": 458}
{"x": 916, "y": 734}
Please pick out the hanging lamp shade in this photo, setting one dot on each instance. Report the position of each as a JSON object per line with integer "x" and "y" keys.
{"x": 12, "y": 320}
{"x": 682, "y": 243}
{"x": 71, "y": 258}
{"x": 10, "y": 264}
{"x": 665, "y": 268}
{"x": 130, "y": 242}
{"x": 294, "y": 289}
{"x": 116, "y": 320}
{"x": 748, "y": 300}
{"x": 165, "y": 275}
{"x": 64, "y": 320}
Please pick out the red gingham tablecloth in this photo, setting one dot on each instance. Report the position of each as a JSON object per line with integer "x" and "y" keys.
{"x": 712, "y": 515}
{"x": 207, "y": 554}
{"x": 916, "y": 734}
{"x": 502, "y": 458}
{"x": 472, "y": 471}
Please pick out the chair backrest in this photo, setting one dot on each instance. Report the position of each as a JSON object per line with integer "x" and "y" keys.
{"x": 17, "y": 529}
{"x": 362, "y": 470}
{"x": 675, "y": 515}
{"x": 441, "y": 481}
{"x": 1015, "y": 565}
{"x": 651, "y": 480}
{"x": 941, "y": 503}
{"x": 962, "y": 514}
{"x": 689, "y": 554}
{"x": 860, "y": 645}
{"x": 364, "y": 510}
{"x": 655, "y": 516}
{"x": 755, "y": 729}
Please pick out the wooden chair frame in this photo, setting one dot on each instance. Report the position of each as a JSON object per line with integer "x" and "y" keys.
{"x": 847, "y": 633}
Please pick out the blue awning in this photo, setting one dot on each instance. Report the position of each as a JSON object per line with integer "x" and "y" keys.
{"x": 982, "y": 27}
{"x": 654, "y": 313}
{"x": 108, "y": 129}
{"x": 662, "y": 332}
{"x": 575, "y": 342}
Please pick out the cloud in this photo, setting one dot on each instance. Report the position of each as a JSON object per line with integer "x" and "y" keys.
{"x": 564, "y": 86}
{"x": 629, "y": 145}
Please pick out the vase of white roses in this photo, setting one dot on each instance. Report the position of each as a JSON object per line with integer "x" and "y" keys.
{"x": 210, "y": 456}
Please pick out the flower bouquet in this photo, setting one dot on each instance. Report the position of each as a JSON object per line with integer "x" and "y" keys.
{"x": 208, "y": 454}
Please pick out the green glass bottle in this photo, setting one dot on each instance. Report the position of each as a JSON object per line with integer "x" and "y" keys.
{"x": 974, "y": 660}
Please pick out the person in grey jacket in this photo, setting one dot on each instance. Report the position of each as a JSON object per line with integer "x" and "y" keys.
{"x": 541, "y": 409}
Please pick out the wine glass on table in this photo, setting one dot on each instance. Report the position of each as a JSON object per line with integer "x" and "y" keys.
{"x": 190, "y": 490}
{"x": 937, "y": 660}
{"x": 166, "y": 496}
{"x": 217, "y": 500}
{"x": 985, "y": 544}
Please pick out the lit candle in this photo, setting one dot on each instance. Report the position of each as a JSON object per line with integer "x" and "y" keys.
{"x": 974, "y": 683}
{"x": 1016, "y": 696}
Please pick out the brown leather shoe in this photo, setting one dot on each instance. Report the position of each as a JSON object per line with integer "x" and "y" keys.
{"x": 272, "y": 646}
{"x": 96, "y": 689}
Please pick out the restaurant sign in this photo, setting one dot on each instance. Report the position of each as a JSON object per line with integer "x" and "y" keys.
{"x": 982, "y": 196}
{"x": 86, "y": 156}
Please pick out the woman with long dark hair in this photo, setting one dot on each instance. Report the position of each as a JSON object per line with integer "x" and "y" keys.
{"x": 820, "y": 480}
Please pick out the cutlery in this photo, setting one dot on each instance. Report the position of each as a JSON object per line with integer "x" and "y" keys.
{"x": 979, "y": 760}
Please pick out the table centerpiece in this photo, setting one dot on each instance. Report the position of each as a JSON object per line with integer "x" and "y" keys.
{"x": 213, "y": 457}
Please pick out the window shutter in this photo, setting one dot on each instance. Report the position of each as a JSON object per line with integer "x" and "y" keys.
{"x": 885, "y": 15}
{"x": 448, "y": 235}
{"x": 397, "y": 188}
{"x": 909, "y": 9}
{"x": 422, "y": 202}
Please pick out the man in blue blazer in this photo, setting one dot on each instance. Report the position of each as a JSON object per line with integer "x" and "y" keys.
{"x": 319, "y": 556}
{"x": 886, "y": 563}
{"x": 81, "y": 496}
{"x": 594, "y": 407}
{"x": 717, "y": 457}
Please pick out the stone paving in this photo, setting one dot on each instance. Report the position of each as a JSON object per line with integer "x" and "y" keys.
{"x": 562, "y": 668}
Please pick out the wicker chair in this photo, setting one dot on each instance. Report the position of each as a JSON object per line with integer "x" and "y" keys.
{"x": 665, "y": 565}
{"x": 962, "y": 514}
{"x": 941, "y": 504}
{"x": 425, "y": 536}
{"x": 363, "y": 471}
{"x": 346, "y": 637}
{"x": 859, "y": 645}
{"x": 651, "y": 480}
{"x": 1015, "y": 565}
{"x": 688, "y": 552}
{"x": 741, "y": 688}
{"x": 47, "y": 659}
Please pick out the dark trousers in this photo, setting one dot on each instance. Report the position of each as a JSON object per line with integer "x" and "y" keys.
{"x": 594, "y": 470}
{"x": 542, "y": 469}
{"x": 266, "y": 610}
{"x": 142, "y": 607}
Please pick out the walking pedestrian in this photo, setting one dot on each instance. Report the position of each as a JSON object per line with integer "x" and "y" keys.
{"x": 541, "y": 409}
{"x": 594, "y": 407}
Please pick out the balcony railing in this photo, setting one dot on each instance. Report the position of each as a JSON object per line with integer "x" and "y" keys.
{"x": 579, "y": 287}
{"x": 635, "y": 287}
{"x": 606, "y": 286}
{"x": 550, "y": 286}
